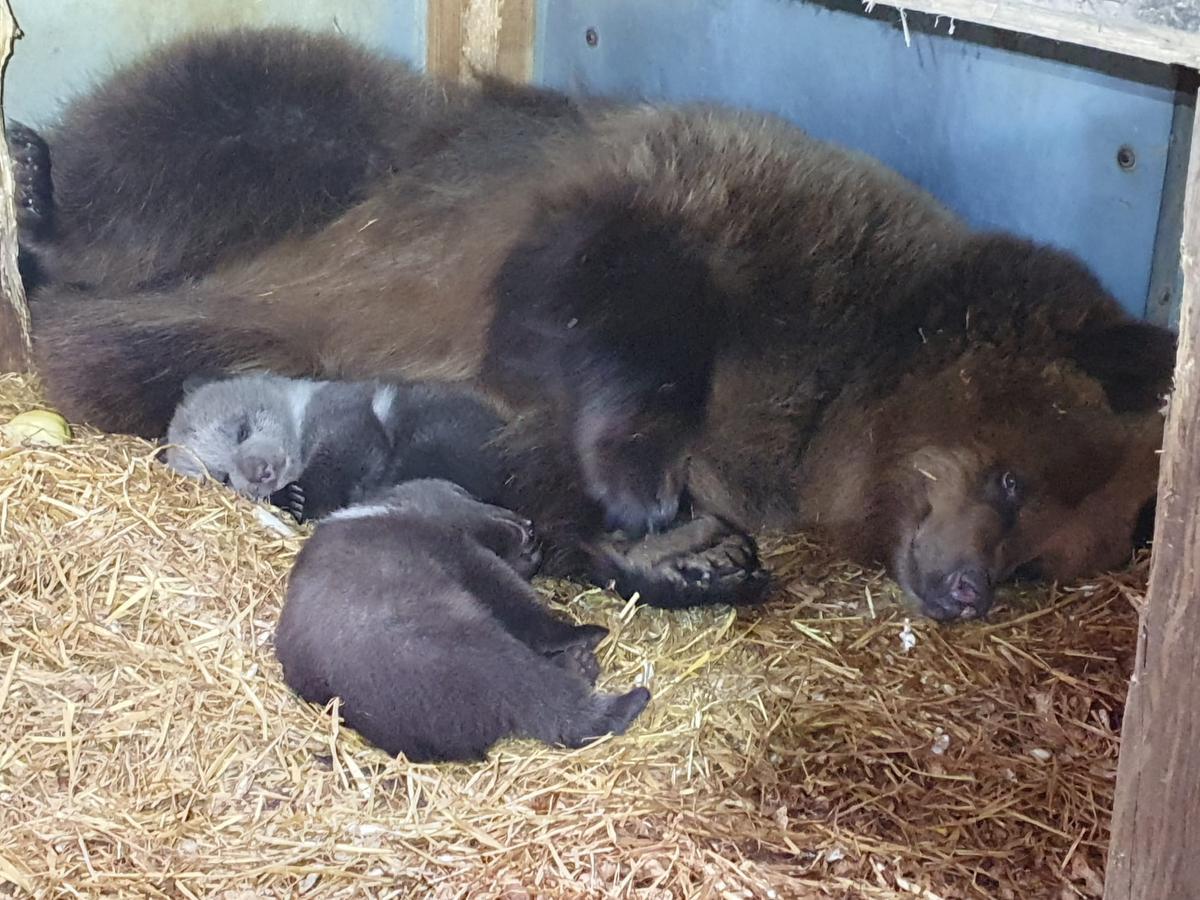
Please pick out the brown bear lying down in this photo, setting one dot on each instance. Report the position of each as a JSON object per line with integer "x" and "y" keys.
{"x": 701, "y": 323}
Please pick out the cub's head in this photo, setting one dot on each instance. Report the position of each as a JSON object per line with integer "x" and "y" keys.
{"x": 991, "y": 469}
{"x": 243, "y": 432}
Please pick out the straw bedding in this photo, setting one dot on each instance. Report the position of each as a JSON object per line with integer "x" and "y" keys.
{"x": 806, "y": 749}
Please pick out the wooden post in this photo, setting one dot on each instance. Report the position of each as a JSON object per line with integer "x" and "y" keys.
{"x": 487, "y": 35}
{"x": 1155, "y": 849}
{"x": 15, "y": 349}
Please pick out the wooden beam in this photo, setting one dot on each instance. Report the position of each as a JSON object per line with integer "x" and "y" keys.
{"x": 14, "y": 311}
{"x": 1155, "y": 848}
{"x": 1166, "y": 281}
{"x": 443, "y": 42}
{"x": 486, "y": 35}
{"x": 1148, "y": 29}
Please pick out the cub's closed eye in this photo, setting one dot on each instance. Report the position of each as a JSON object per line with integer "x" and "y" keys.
{"x": 243, "y": 432}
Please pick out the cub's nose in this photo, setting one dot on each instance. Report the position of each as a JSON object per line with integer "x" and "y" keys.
{"x": 257, "y": 470}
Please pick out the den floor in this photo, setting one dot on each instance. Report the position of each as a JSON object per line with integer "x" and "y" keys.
{"x": 815, "y": 747}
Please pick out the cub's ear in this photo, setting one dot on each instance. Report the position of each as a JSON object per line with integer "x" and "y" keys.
{"x": 1133, "y": 361}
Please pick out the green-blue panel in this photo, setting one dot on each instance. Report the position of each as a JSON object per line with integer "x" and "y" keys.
{"x": 1012, "y": 132}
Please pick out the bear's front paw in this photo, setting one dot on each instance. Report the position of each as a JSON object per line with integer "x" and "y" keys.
{"x": 703, "y": 561}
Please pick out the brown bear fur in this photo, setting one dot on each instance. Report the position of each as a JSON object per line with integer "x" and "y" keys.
{"x": 679, "y": 305}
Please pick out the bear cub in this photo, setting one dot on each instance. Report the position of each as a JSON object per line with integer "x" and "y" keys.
{"x": 316, "y": 446}
{"x": 415, "y": 610}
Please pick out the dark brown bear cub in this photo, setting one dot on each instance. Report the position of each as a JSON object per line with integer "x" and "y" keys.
{"x": 414, "y": 611}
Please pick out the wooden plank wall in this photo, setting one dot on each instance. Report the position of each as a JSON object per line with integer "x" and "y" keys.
{"x": 1150, "y": 29}
{"x": 485, "y": 35}
{"x": 1155, "y": 847}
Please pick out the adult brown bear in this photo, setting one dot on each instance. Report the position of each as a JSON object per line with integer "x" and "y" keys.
{"x": 696, "y": 317}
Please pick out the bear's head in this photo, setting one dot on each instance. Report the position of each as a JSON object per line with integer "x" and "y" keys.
{"x": 996, "y": 465}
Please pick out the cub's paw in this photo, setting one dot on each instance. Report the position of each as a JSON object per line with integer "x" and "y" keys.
{"x": 514, "y": 539}
{"x": 290, "y": 498}
{"x": 702, "y": 561}
{"x": 575, "y": 652}
{"x": 579, "y": 659}
{"x": 31, "y": 173}
{"x": 588, "y": 636}
{"x": 609, "y": 714}
{"x": 622, "y": 709}
{"x": 528, "y": 558}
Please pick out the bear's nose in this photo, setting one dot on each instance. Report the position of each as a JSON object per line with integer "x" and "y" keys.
{"x": 969, "y": 590}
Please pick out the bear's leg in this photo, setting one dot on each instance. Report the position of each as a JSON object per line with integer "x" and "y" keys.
{"x": 579, "y": 656}
{"x": 519, "y": 609}
{"x": 499, "y": 531}
{"x": 495, "y": 569}
{"x": 509, "y": 535}
{"x": 700, "y": 559}
{"x": 35, "y": 189}
{"x": 515, "y": 604}
{"x": 217, "y": 146}
{"x": 450, "y": 690}
{"x": 612, "y": 317}
{"x": 34, "y": 199}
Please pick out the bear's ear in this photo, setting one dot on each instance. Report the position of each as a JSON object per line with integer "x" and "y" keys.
{"x": 1133, "y": 361}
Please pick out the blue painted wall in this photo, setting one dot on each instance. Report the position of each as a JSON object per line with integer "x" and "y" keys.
{"x": 1011, "y": 132}
{"x": 1015, "y": 133}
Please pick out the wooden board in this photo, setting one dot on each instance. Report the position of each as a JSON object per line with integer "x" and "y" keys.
{"x": 1156, "y": 830}
{"x": 487, "y": 35}
{"x": 1161, "y": 30}
{"x": 14, "y": 312}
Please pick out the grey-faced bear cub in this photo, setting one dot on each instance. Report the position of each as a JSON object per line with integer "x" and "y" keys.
{"x": 316, "y": 446}
{"x": 415, "y": 611}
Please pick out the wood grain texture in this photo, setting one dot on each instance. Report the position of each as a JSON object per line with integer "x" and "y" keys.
{"x": 514, "y": 50}
{"x": 444, "y": 37}
{"x": 1155, "y": 848}
{"x": 1161, "y": 30}
{"x": 482, "y": 35}
{"x": 14, "y": 311}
